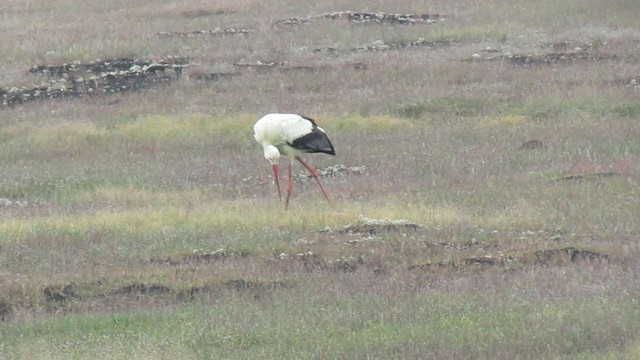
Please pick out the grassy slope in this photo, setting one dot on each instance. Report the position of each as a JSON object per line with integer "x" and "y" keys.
{"x": 98, "y": 187}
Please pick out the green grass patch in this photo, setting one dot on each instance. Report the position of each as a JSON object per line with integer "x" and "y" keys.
{"x": 543, "y": 108}
{"x": 328, "y": 325}
{"x": 218, "y": 215}
{"x": 196, "y": 127}
{"x": 151, "y": 133}
{"x": 413, "y": 110}
{"x": 357, "y": 123}
{"x": 52, "y": 188}
{"x": 441, "y": 107}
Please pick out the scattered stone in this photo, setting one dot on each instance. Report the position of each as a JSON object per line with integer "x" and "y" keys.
{"x": 308, "y": 68}
{"x": 629, "y": 82}
{"x": 393, "y": 19}
{"x": 216, "y": 76}
{"x": 313, "y": 262}
{"x": 206, "y": 33}
{"x": 205, "y": 13}
{"x": 567, "y": 45}
{"x": 333, "y": 171}
{"x": 565, "y": 57}
{"x": 366, "y": 226}
{"x": 554, "y": 58}
{"x": 532, "y": 145}
{"x": 325, "y": 50}
{"x": 98, "y": 66}
{"x": 94, "y": 78}
{"x": 483, "y": 261}
{"x": 358, "y": 17}
{"x": 142, "y": 289}
{"x": 293, "y": 21}
{"x": 9, "y": 203}
{"x": 285, "y": 66}
{"x": 380, "y": 45}
{"x": 102, "y": 77}
{"x": 538, "y": 257}
{"x": 260, "y": 64}
{"x": 242, "y": 284}
{"x": 466, "y": 263}
{"x": 198, "y": 256}
{"x": 330, "y": 172}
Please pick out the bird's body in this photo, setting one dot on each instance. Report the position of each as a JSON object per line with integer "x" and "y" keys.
{"x": 291, "y": 135}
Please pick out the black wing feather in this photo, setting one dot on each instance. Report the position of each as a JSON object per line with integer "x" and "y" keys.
{"x": 314, "y": 142}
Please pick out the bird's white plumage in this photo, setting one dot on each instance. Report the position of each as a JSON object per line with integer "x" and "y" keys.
{"x": 279, "y": 130}
{"x": 291, "y": 135}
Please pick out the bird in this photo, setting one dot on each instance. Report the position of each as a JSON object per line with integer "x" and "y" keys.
{"x": 291, "y": 135}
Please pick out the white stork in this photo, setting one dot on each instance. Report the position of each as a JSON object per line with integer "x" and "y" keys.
{"x": 291, "y": 135}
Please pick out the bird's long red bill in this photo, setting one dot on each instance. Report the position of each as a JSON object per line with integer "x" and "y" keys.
{"x": 276, "y": 177}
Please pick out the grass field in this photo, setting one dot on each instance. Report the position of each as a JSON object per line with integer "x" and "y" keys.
{"x": 145, "y": 224}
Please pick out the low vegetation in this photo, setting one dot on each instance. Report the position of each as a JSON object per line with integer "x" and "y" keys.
{"x": 484, "y": 191}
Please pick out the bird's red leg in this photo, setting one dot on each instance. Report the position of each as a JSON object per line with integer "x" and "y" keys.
{"x": 289, "y": 187}
{"x": 276, "y": 176}
{"x": 314, "y": 173}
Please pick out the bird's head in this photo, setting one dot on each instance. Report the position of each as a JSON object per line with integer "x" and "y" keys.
{"x": 272, "y": 154}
